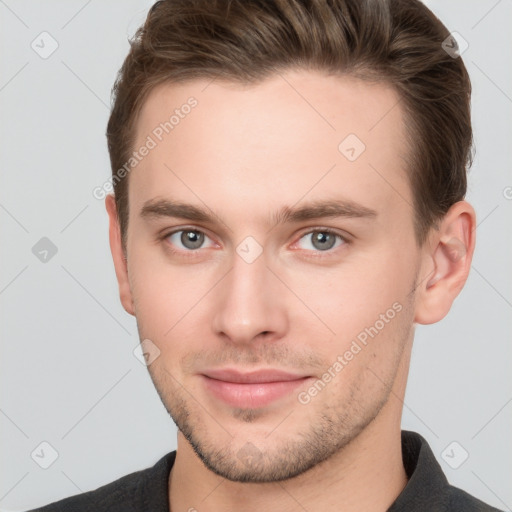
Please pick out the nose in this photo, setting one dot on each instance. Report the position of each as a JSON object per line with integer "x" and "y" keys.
{"x": 250, "y": 303}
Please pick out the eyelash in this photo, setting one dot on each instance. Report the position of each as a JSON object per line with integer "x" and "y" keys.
{"x": 191, "y": 253}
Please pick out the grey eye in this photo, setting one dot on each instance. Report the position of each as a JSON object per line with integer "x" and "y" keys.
{"x": 192, "y": 239}
{"x": 321, "y": 240}
{"x": 187, "y": 239}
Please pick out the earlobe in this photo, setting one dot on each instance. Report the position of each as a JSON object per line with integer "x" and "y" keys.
{"x": 446, "y": 263}
{"x": 118, "y": 255}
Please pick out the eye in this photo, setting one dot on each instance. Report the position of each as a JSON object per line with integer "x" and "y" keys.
{"x": 190, "y": 239}
{"x": 321, "y": 240}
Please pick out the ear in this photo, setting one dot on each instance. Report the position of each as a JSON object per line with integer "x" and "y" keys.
{"x": 447, "y": 256}
{"x": 118, "y": 255}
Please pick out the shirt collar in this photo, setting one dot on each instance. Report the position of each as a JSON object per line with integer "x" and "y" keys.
{"x": 427, "y": 482}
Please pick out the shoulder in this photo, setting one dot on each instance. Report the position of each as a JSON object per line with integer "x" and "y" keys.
{"x": 427, "y": 487}
{"x": 459, "y": 500}
{"x": 130, "y": 493}
{"x": 113, "y": 496}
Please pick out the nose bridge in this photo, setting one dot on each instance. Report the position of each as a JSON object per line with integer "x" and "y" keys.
{"x": 249, "y": 301}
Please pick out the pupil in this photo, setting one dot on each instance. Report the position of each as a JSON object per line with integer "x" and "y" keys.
{"x": 325, "y": 240}
{"x": 192, "y": 239}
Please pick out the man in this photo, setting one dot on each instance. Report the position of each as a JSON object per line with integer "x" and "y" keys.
{"x": 289, "y": 203}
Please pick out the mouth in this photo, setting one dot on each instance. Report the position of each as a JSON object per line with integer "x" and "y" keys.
{"x": 251, "y": 390}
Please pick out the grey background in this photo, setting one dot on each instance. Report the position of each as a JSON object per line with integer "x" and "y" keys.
{"x": 68, "y": 373}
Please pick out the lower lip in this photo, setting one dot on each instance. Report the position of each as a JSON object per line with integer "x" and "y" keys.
{"x": 251, "y": 396}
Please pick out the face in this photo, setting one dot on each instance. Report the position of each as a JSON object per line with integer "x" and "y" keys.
{"x": 271, "y": 263}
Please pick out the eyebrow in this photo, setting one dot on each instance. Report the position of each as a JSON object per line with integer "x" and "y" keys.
{"x": 158, "y": 208}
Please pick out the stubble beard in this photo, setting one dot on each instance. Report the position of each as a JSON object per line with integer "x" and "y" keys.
{"x": 322, "y": 437}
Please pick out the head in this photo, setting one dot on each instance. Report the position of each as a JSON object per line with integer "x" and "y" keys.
{"x": 289, "y": 185}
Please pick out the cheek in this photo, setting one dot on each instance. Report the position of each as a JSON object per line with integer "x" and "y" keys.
{"x": 168, "y": 298}
{"x": 363, "y": 360}
{"x": 352, "y": 296}
{"x": 156, "y": 293}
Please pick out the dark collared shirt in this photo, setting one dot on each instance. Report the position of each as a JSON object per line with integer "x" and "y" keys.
{"x": 147, "y": 490}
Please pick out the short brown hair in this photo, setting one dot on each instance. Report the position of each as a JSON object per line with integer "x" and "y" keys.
{"x": 395, "y": 41}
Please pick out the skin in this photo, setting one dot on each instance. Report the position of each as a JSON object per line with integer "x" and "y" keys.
{"x": 245, "y": 152}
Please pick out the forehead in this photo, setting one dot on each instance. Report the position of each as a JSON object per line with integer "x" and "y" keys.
{"x": 264, "y": 145}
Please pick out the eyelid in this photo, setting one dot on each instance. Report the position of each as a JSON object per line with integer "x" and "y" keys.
{"x": 346, "y": 240}
{"x": 324, "y": 229}
{"x": 173, "y": 231}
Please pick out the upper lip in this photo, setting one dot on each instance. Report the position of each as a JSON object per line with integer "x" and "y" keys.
{"x": 255, "y": 377}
